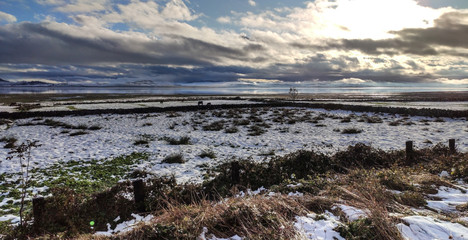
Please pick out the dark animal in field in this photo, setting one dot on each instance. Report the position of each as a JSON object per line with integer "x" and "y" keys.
{"x": 200, "y": 103}
{"x": 208, "y": 104}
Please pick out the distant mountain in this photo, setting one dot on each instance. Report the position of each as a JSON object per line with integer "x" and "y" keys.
{"x": 2, "y": 81}
{"x": 33, "y": 83}
{"x": 141, "y": 83}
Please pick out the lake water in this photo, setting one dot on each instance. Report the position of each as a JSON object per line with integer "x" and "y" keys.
{"x": 217, "y": 90}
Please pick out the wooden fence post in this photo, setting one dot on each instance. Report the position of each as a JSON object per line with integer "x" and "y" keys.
{"x": 452, "y": 145}
{"x": 38, "y": 211}
{"x": 409, "y": 151}
{"x": 139, "y": 193}
{"x": 235, "y": 172}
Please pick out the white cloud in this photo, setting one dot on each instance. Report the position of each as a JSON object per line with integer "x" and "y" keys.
{"x": 259, "y": 80}
{"x": 344, "y": 18}
{"x": 224, "y": 19}
{"x": 353, "y": 81}
{"x": 177, "y": 10}
{"x": 5, "y": 17}
{"x": 79, "y": 6}
{"x": 453, "y": 81}
{"x": 50, "y": 2}
{"x": 252, "y": 3}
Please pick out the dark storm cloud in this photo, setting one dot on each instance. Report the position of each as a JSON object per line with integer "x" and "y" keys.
{"x": 331, "y": 69}
{"x": 43, "y": 44}
{"x": 123, "y": 73}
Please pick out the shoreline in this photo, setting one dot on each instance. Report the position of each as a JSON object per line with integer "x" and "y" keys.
{"x": 427, "y": 112}
{"x": 441, "y": 96}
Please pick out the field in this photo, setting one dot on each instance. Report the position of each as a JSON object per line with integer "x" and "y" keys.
{"x": 302, "y": 172}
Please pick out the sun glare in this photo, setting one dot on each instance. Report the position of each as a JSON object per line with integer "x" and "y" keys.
{"x": 374, "y": 19}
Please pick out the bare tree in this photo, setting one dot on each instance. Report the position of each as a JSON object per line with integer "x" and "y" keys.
{"x": 293, "y": 93}
{"x": 23, "y": 154}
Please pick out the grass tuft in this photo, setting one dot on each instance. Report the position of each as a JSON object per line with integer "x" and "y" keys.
{"x": 174, "y": 158}
{"x": 351, "y": 131}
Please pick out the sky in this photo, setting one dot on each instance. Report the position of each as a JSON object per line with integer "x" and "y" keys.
{"x": 238, "y": 42}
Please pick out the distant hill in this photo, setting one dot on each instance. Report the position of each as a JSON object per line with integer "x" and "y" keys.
{"x": 141, "y": 83}
{"x": 2, "y": 81}
{"x": 33, "y": 83}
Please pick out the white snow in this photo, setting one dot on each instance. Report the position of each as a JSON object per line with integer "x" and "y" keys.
{"x": 352, "y": 213}
{"x": 250, "y": 192}
{"x": 119, "y": 132}
{"x": 320, "y": 229}
{"x": 9, "y": 217}
{"x": 204, "y": 237}
{"x": 132, "y": 105}
{"x": 295, "y": 194}
{"x": 444, "y": 174}
{"x": 451, "y": 198}
{"x": 417, "y": 105}
{"x": 125, "y": 226}
{"x": 425, "y": 228}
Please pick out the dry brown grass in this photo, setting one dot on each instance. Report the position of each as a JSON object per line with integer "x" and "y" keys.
{"x": 363, "y": 190}
{"x": 254, "y": 217}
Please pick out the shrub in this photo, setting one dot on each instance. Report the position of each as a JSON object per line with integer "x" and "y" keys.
{"x": 141, "y": 142}
{"x": 301, "y": 165}
{"x": 394, "y": 180}
{"x": 351, "y": 131}
{"x": 241, "y": 122}
{"x": 374, "y": 119}
{"x": 359, "y": 229}
{"x": 256, "y": 130}
{"x": 78, "y": 133}
{"x": 181, "y": 141}
{"x": 363, "y": 156}
{"x": 207, "y": 153}
{"x": 413, "y": 199}
{"x": 10, "y": 141}
{"x": 81, "y": 127}
{"x": 232, "y": 129}
{"x": 94, "y": 128}
{"x": 174, "y": 158}
{"x": 463, "y": 207}
{"x": 346, "y": 120}
{"x": 214, "y": 126}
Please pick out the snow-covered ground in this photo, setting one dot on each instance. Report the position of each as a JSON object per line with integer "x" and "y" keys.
{"x": 418, "y": 105}
{"x": 319, "y": 130}
{"x": 422, "y": 228}
{"x": 161, "y": 102}
{"x": 132, "y": 105}
{"x": 118, "y": 134}
{"x": 318, "y": 227}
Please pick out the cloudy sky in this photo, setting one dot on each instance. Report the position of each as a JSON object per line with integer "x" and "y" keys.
{"x": 213, "y": 42}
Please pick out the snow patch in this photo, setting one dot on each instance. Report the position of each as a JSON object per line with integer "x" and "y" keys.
{"x": 352, "y": 213}
{"x": 125, "y": 226}
{"x": 205, "y": 231}
{"x": 424, "y": 228}
{"x": 318, "y": 229}
{"x": 451, "y": 198}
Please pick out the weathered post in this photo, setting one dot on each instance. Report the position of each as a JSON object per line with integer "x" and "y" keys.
{"x": 38, "y": 211}
{"x": 409, "y": 151}
{"x": 235, "y": 172}
{"x": 452, "y": 145}
{"x": 139, "y": 193}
